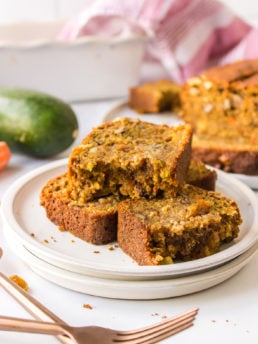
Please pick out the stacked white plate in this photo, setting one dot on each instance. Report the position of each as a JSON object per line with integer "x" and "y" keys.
{"x": 105, "y": 270}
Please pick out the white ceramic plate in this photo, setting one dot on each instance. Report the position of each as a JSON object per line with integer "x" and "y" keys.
{"x": 25, "y": 220}
{"x": 251, "y": 181}
{"x": 132, "y": 289}
{"x": 122, "y": 110}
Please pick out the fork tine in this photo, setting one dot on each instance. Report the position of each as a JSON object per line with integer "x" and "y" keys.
{"x": 151, "y": 339}
{"x": 149, "y": 332}
{"x": 161, "y": 327}
{"x": 156, "y": 336}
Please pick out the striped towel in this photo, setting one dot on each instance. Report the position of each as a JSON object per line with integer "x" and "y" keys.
{"x": 188, "y": 36}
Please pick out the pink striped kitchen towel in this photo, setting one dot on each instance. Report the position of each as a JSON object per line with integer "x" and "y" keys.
{"x": 188, "y": 36}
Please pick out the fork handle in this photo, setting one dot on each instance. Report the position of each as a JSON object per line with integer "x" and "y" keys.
{"x": 33, "y": 306}
{"x": 26, "y": 325}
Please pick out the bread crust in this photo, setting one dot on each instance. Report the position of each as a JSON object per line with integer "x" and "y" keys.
{"x": 227, "y": 159}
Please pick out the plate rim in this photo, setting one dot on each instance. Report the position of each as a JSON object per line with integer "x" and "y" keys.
{"x": 251, "y": 181}
{"x": 139, "y": 289}
{"x": 134, "y": 271}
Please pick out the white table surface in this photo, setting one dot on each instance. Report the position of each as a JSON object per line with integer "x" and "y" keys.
{"x": 227, "y": 312}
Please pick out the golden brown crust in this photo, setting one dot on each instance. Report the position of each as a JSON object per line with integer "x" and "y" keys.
{"x": 133, "y": 237}
{"x": 155, "y": 97}
{"x": 233, "y": 72}
{"x": 227, "y": 159}
{"x": 192, "y": 225}
{"x": 95, "y": 222}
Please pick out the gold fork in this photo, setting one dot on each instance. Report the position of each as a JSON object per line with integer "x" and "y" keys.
{"x": 67, "y": 334}
{"x": 94, "y": 334}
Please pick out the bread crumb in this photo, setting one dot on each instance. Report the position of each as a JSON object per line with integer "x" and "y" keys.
{"x": 154, "y": 314}
{"x": 96, "y": 252}
{"x": 46, "y": 241}
{"x": 88, "y": 306}
{"x": 20, "y": 282}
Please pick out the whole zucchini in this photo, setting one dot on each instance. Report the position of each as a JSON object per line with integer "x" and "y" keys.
{"x": 36, "y": 123}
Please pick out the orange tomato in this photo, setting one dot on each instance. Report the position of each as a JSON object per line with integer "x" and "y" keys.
{"x": 5, "y": 154}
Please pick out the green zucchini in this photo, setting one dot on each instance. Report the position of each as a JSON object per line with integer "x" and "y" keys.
{"x": 36, "y": 123}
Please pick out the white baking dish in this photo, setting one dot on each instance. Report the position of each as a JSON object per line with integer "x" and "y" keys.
{"x": 82, "y": 69}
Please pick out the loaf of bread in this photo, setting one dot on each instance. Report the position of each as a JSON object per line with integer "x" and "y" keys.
{"x": 129, "y": 157}
{"x": 192, "y": 225}
{"x": 221, "y": 104}
{"x": 155, "y": 97}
